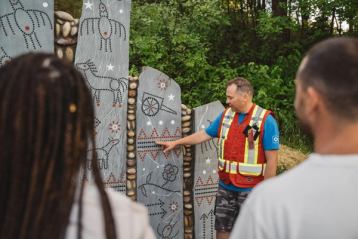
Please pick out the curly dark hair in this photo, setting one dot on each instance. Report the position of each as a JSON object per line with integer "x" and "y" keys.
{"x": 47, "y": 124}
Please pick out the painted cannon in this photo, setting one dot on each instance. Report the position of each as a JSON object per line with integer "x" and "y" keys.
{"x": 151, "y": 104}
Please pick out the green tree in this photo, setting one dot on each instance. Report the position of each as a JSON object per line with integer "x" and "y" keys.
{"x": 202, "y": 44}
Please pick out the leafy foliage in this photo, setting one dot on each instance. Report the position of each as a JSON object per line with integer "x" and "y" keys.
{"x": 202, "y": 44}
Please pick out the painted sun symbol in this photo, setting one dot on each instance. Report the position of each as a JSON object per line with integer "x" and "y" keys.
{"x": 174, "y": 206}
{"x": 114, "y": 127}
{"x": 162, "y": 84}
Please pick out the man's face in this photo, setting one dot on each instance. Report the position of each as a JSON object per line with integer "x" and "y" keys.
{"x": 301, "y": 108}
{"x": 237, "y": 100}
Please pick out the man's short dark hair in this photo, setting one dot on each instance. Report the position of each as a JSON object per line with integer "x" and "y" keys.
{"x": 331, "y": 67}
{"x": 242, "y": 85}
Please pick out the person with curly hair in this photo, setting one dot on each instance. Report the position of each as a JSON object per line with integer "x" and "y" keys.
{"x": 47, "y": 125}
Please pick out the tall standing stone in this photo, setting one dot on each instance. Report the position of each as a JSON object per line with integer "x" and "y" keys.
{"x": 25, "y": 26}
{"x": 160, "y": 175}
{"x": 102, "y": 57}
{"x": 205, "y": 173}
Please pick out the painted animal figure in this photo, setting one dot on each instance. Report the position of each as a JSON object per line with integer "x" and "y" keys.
{"x": 103, "y": 154}
{"x": 106, "y": 28}
{"x": 99, "y": 83}
{"x": 149, "y": 186}
{"x": 27, "y": 21}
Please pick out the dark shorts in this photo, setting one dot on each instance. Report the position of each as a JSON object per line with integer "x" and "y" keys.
{"x": 227, "y": 208}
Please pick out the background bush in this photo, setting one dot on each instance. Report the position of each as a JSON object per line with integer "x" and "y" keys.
{"x": 202, "y": 44}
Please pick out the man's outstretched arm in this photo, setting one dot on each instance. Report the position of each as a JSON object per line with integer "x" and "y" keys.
{"x": 195, "y": 138}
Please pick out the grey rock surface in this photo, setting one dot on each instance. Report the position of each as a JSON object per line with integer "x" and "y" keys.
{"x": 25, "y": 26}
{"x": 159, "y": 175}
{"x": 205, "y": 173}
{"x": 102, "y": 57}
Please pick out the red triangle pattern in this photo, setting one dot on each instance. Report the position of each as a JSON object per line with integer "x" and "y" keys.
{"x": 210, "y": 181}
{"x": 177, "y": 132}
{"x": 154, "y": 154}
{"x": 142, "y": 134}
{"x": 166, "y": 155}
{"x": 155, "y": 135}
{"x": 199, "y": 182}
{"x": 166, "y": 133}
{"x": 199, "y": 200}
{"x": 112, "y": 180}
{"x": 208, "y": 199}
{"x": 142, "y": 154}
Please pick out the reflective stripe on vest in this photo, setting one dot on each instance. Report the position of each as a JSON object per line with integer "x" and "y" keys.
{"x": 256, "y": 119}
{"x": 249, "y": 167}
{"x": 225, "y": 126}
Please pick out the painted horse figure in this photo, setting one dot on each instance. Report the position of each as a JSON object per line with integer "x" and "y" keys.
{"x": 99, "y": 83}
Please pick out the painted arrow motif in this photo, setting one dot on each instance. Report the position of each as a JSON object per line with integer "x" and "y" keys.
{"x": 154, "y": 212}
{"x": 212, "y": 216}
{"x": 205, "y": 218}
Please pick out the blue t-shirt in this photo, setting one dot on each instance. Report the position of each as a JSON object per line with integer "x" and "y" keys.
{"x": 271, "y": 140}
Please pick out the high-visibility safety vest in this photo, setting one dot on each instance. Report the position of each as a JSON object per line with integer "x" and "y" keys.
{"x": 241, "y": 155}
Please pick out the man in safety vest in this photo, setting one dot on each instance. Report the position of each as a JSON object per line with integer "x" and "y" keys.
{"x": 248, "y": 151}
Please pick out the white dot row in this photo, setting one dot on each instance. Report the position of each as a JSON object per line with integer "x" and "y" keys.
{"x": 160, "y": 122}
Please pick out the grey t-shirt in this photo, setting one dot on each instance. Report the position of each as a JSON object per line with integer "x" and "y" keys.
{"x": 317, "y": 199}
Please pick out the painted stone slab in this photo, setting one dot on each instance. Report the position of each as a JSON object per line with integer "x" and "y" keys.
{"x": 205, "y": 173}
{"x": 159, "y": 175}
{"x": 25, "y": 26}
{"x": 102, "y": 57}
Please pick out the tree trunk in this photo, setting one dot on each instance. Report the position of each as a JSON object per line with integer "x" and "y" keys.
{"x": 332, "y": 21}
{"x": 258, "y": 6}
{"x": 350, "y": 25}
{"x": 305, "y": 15}
{"x": 279, "y": 8}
